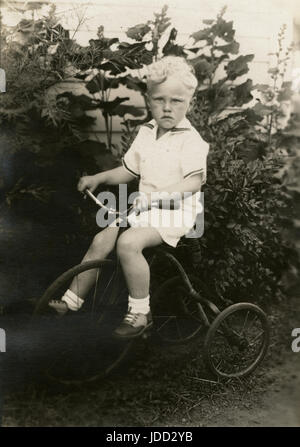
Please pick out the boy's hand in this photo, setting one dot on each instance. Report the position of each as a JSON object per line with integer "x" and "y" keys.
{"x": 87, "y": 182}
{"x": 142, "y": 203}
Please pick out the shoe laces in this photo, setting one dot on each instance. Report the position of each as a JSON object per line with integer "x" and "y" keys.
{"x": 130, "y": 317}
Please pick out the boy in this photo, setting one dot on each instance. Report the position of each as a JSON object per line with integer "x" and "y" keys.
{"x": 169, "y": 157}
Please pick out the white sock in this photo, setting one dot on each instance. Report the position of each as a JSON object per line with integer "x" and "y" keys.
{"x": 139, "y": 305}
{"x": 72, "y": 300}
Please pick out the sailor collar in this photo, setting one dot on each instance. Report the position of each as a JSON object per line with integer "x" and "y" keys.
{"x": 183, "y": 126}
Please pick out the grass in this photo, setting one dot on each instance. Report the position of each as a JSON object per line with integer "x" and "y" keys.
{"x": 158, "y": 385}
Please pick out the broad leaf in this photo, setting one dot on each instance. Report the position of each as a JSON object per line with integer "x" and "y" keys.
{"x": 137, "y": 32}
{"x": 261, "y": 109}
{"x": 238, "y": 66}
{"x": 232, "y": 48}
{"x": 82, "y": 102}
{"x": 108, "y": 107}
{"x": 242, "y": 93}
{"x": 203, "y": 69}
{"x": 122, "y": 110}
{"x": 251, "y": 116}
{"x": 224, "y": 30}
{"x": 131, "y": 56}
{"x": 100, "y": 83}
{"x": 133, "y": 83}
{"x": 261, "y": 87}
{"x": 103, "y": 44}
{"x": 204, "y": 34}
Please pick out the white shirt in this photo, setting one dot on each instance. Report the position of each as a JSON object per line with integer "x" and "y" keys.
{"x": 158, "y": 163}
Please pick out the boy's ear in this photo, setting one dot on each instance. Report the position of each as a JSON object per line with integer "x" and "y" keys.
{"x": 190, "y": 106}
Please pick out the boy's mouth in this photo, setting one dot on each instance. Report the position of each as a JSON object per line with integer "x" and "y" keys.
{"x": 167, "y": 118}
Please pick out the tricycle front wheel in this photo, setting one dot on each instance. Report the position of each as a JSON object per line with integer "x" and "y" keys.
{"x": 80, "y": 346}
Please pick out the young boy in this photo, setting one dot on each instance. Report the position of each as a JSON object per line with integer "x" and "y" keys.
{"x": 169, "y": 158}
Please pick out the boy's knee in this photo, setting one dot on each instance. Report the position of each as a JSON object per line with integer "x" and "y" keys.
{"x": 127, "y": 244}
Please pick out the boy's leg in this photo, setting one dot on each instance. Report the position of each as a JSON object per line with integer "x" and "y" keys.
{"x": 103, "y": 243}
{"x": 137, "y": 274}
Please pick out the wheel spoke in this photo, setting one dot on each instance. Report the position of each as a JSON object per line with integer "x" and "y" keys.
{"x": 108, "y": 283}
{"x": 178, "y": 329}
{"x": 256, "y": 337}
{"x": 251, "y": 323}
{"x": 168, "y": 319}
{"x": 245, "y": 322}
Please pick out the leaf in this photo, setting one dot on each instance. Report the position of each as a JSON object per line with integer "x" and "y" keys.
{"x": 194, "y": 50}
{"x": 108, "y": 107}
{"x": 122, "y": 110}
{"x": 262, "y": 87}
{"x": 133, "y": 83}
{"x": 79, "y": 102}
{"x": 232, "y": 48}
{"x": 81, "y": 76}
{"x": 242, "y": 93}
{"x": 238, "y": 66}
{"x": 103, "y": 43}
{"x": 131, "y": 56}
{"x": 100, "y": 82}
{"x": 204, "y": 34}
{"x": 137, "y": 32}
{"x": 251, "y": 116}
{"x": 261, "y": 109}
{"x": 208, "y": 22}
{"x": 224, "y": 29}
{"x": 202, "y": 68}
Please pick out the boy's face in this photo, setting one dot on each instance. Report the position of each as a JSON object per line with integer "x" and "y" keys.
{"x": 169, "y": 102}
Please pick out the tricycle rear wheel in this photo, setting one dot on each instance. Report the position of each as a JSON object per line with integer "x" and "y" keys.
{"x": 237, "y": 341}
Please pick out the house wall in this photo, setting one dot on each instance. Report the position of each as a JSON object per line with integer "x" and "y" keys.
{"x": 257, "y": 23}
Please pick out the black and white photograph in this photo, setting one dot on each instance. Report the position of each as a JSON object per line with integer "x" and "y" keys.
{"x": 149, "y": 216}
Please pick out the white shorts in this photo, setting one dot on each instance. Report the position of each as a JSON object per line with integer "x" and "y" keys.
{"x": 171, "y": 224}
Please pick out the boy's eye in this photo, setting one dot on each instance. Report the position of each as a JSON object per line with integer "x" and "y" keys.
{"x": 160, "y": 100}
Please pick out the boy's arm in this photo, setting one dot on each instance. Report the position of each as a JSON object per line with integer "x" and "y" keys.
{"x": 114, "y": 176}
{"x": 190, "y": 185}
{"x": 175, "y": 191}
{"x": 111, "y": 177}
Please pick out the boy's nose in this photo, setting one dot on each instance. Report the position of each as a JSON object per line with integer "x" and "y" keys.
{"x": 167, "y": 106}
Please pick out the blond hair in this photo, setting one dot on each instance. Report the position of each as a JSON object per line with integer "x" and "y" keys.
{"x": 172, "y": 66}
